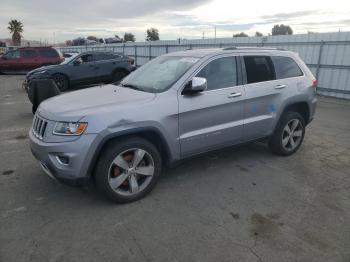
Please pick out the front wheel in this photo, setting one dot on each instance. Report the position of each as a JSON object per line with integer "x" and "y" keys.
{"x": 128, "y": 169}
{"x": 289, "y": 134}
{"x": 61, "y": 81}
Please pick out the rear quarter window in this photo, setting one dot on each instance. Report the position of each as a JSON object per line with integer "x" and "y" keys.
{"x": 48, "y": 53}
{"x": 286, "y": 67}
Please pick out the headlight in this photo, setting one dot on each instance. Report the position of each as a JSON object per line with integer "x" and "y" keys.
{"x": 69, "y": 129}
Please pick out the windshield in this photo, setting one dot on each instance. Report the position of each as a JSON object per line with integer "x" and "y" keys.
{"x": 69, "y": 59}
{"x": 159, "y": 74}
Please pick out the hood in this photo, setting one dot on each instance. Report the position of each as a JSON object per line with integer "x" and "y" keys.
{"x": 75, "y": 105}
{"x": 42, "y": 69}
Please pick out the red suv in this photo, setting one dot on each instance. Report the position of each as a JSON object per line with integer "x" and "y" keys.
{"x": 29, "y": 58}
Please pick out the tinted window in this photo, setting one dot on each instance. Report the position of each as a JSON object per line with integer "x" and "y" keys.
{"x": 285, "y": 67}
{"x": 105, "y": 56}
{"x": 259, "y": 69}
{"x": 220, "y": 73}
{"x": 48, "y": 52}
{"x": 28, "y": 53}
{"x": 12, "y": 55}
{"x": 86, "y": 58}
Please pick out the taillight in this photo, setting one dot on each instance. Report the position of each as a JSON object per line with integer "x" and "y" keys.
{"x": 314, "y": 83}
{"x": 130, "y": 61}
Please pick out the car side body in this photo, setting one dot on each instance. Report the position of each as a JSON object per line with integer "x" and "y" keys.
{"x": 25, "y": 59}
{"x": 179, "y": 124}
{"x": 86, "y": 68}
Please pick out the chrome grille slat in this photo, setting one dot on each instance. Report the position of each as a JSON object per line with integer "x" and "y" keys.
{"x": 39, "y": 127}
{"x": 35, "y": 122}
{"x": 42, "y": 131}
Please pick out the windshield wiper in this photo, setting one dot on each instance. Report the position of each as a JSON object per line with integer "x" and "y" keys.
{"x": 131, "y": 86}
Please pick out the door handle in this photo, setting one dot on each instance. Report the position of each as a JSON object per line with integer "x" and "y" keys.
{"x": 234, "y": 95}
{"x": 280, "y": 86}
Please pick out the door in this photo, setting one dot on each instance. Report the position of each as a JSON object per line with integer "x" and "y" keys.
{"x": 213, "y": 118}
{"x": 84, "y": 70}
{"x": 264, "y": 95}
{"x": 29, "y": 59}
{"x": 106, "y": 63}
{"x": 11, "y": 61}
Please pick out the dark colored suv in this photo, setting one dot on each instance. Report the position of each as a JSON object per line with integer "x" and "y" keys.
{"x": 86, "y": 68}
{"x": 28, "y": 58}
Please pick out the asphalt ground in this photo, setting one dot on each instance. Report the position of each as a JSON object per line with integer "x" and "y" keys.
{"x": 239, "y": 204}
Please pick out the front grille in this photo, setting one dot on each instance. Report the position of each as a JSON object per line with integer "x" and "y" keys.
{"x": 39, "y": 126}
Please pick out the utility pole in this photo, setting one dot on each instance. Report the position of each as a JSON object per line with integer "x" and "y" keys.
{"x": 215, "y": 30}
{"x": 203, "y": 35}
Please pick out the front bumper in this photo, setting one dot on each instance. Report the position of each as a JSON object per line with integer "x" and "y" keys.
{"x": 31, "y": 77}
{"x": 79, "y": 153}
{"x": 25, "y": 85}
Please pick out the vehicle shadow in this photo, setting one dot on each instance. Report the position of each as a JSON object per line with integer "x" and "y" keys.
{"x": 237, "y": 157}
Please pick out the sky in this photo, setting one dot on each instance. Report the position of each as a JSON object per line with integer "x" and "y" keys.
{"x": 58, "y": 21}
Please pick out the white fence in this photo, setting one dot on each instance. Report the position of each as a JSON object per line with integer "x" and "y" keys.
{"x": 326, "y": 54}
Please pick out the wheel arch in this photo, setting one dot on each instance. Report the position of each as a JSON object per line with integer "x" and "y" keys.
{"x": 300, "y": 107}
{"x": 119, "y": 68}
{"x": 150, "y": 134}
{"x": 61, "y": 73}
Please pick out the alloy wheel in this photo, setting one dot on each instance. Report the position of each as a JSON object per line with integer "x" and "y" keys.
{"x": 292, "y": 135}
{"x": 131, "y": 172}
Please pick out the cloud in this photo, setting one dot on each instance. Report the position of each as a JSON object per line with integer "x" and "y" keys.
{"x": 174, "y": 18}
{"x": 285, "y": 16}
{"x": 67, "y": 16}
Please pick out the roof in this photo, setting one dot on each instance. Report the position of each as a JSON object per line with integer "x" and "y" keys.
{"x": 216, "y": 51}
{"x": 99, "y": 52}
{"x": 33, "y": 47}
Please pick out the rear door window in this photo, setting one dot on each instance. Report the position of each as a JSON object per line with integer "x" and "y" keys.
{"x": 286, "y": 67}
{"x": 28, "y": 53}
{"x": 220, "y": 73}
{"x": 259, "y": 69}
{"x": 48, "y": 53}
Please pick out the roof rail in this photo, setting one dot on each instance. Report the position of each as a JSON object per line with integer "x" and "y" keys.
{"x": 230, "y": 48}
{"x": 252, "y": 47}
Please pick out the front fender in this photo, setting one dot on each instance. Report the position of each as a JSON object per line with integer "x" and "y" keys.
{"x": 112, "y": 134}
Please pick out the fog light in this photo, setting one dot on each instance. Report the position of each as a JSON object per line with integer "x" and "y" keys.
{"x": 63, "y": 160}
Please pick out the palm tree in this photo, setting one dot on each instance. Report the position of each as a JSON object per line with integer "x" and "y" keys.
{"x": 16, "y": 28}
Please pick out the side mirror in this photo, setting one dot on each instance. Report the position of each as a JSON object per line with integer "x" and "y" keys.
{"x": 196, "y": 85}
{"x": 76, "y": 62}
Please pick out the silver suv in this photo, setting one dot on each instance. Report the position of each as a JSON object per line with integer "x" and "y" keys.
{"x": 177, "y": 105}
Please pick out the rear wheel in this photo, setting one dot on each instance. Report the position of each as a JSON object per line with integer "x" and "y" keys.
{"x": 288, "y": 135}
{"x": 128, "y": 169}
{"x": 61, "y": 81}
{"x": 118, "y": 76}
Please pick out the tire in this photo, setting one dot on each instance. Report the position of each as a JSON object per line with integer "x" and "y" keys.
{"x": 61, "y": 81}
{"x": 118, "y": 76}
{"x": 34, "y": 108}
{"x": 285, "y": 141}
{"x": 117, "y": 181}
